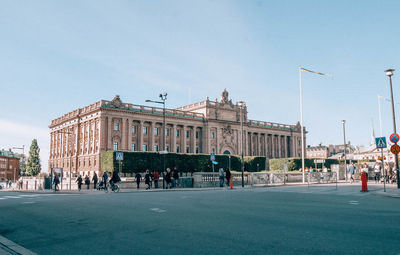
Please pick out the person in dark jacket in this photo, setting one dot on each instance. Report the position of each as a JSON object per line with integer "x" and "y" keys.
{"x": 168, "y": 178}
{"x": 147, "y": 179}
{"x": 95, "y": 180}
{"x": 105, "y": 179}
{"x": 156, "y": 177}
{"x": 87, "y": 181}
{"x": 175, "y": 177}
{"x": 138, "y": 176}
{"x": 228, "y": 177}
{"x": 79, "y": 181}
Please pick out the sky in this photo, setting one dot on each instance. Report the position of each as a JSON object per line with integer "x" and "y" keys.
{"x": 56, "y": 56}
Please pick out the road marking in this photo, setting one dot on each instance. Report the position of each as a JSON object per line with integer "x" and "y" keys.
{"x": 11, "y": 197}
{"x": 8, "y": 245}
{"x": 353, "y": 202}
{"x": 29, "y": 202}
{"x": 157, "y": 210}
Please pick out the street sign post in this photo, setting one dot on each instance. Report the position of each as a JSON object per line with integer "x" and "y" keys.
{"x": 380, "y": 142}
{"x": 119, "y": 156}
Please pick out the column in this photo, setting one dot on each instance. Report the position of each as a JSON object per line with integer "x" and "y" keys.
{"x": 193, "y": 142}
{"x": 129, "y": 144}
{"x": 273, "y": 150}
{"x": 151, "y": 136}
{"x": 109, "y": 136}
{"x": 280, "y": 146}
{"x": 121, "y": 131}
{"x": 265, "y": 146}
{"x": 183, "y": 138}
{"x": 173, "y": 138}
{"x": 285, "y": 146}
{"x": 140, "y": 135}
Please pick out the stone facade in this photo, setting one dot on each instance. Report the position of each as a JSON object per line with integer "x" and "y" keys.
{"x": 79, "y": 137}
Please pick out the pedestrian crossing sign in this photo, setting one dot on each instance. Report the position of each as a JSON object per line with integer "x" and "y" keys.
{"x": 380, "y": 142}
{"x": 120, "y": 156}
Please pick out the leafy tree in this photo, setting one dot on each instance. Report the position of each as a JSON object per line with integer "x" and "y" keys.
{"x": 33, "y": 164}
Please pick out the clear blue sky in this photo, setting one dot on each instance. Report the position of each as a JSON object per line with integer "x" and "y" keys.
{"x": 57, "y": 56}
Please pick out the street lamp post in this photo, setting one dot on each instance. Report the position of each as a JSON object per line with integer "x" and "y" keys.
{"x": 70, "y": 133}
{"x": 241, "y": 106}
{"x": 344, "y": 143}
{"x": 163, "y": 98}
{"x": 389, "y": 72}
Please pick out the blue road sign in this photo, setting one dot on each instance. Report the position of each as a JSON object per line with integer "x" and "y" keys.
{"x": 380, "y": 142}
{"x": 212, "y": 156}
{"x": 215, "y": 162}
{"x": 120, "y": 156}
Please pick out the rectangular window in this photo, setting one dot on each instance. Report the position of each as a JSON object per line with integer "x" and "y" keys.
{"x": 144, "y": 147}
{"x": 133, "y": 129}
{"x": 187, "y": 150}
{"x": 155, "y": 147}
{"x": 133, "y": 147}
{"x": 115, "y": 146}
{"x": 155, "y": 131}
{"x": 197, "y": 134}
{"x": 197, "y": 149}
{"x": 212, "y": 135}
{"x": 177, "y": 133}
{"x": 167, "y": 131}
{"x": 145, "y": 130}
{"x": 116, "y": 126}
{"x": 213, "y": 150}
{"x": 187, "y": 133}
{"x": 167, "y": 148}
{"x": 177, "y": 149}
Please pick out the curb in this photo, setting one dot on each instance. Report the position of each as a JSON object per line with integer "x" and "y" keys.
{"x": 9, "y": 247}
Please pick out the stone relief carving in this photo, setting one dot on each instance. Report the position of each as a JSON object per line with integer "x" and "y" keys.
{"x": 116, "y": 101}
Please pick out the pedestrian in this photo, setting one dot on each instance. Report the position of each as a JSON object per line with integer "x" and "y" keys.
{"x": 138, "y": 176}
{"x": 147, "y": 179}
{"x": 156, "y": 177}
{"x": 228, "y": 177}
{"x": 324, "y": 169}
{"x": 79, "y": 181}
{"x": 56, "y": 182}
{"x": 364, "y": 169}
{"x": 350, "y": 172}
{"x": 175, "y": 176}
{"x": 168, "y": 178}
{"x": 95, "y": 179}
{"x": 87, "y": 181}
{"x": 377, "y": 171}
{"x": 221, "y": 177}
{"x": 105, "y": 179}
{"x": 9, "y": 183}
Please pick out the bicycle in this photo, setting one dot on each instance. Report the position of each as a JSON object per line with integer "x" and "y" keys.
{"x": 115, "y": 187}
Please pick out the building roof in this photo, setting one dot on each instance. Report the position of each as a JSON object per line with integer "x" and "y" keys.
{"x": 8, "y": 154}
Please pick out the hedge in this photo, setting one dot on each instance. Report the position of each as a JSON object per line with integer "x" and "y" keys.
{"x": 294, "y": 164}
{"x": 140, "y": 161}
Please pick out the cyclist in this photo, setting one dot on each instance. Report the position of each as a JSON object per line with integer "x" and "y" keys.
{"x": 114, "y": 179}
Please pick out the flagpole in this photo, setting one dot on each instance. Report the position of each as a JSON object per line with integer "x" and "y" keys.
{"x": 380, "y": 114}
{"x": 301, "y": 125}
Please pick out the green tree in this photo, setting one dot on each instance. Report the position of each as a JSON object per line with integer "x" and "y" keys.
{"x": 33, "y": 164}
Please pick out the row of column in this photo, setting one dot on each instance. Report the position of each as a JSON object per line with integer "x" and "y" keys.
{"x": 269, "y": 145}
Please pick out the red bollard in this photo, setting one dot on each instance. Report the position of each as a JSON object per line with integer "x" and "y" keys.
{"x": 231, "y": 182}
{"x": 364, "y": 187}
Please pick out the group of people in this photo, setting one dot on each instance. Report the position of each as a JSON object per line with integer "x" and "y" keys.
{"x": 171, "y": 179}
{"x": 380, "y": 174}
{"x": 95, "y": 179}
{"x": 224, "y": 175}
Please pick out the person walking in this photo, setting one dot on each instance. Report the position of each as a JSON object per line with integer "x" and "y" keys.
{"x": 350, "y": 172}
{"x": 364, "y": 169}
{"x": 228, "y": 177}
{"x": 95, "y": 180}
{"x": 105, "y": 179}
{"x": 56, "y": 182}
{"x": 377, "y": 171}
{"x": 138, "y": 176}
{"x": 79, "y": 181}
{"x": 221, "y": 177}
{"x": 147, "y": 179}
{"x": 156, "y": 177}
{"x": 168, "y": 178}
{"x": 175, "y": 176}
{"x": 87, "y": 181}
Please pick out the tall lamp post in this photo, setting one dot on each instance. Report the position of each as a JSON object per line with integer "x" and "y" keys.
{"x": 70, "y": 133}
{"x": 389, "y": 72}
{"x": 163, "y": 98}
{"x": 344, "y": 144}
{"x": 241, "y": 106}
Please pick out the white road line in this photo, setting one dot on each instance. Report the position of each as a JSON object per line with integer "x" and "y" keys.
{"x": 29, "y": 202}
{"x": 157, "y": 210}
{"x": 11, "y": 197}
{"x": 15, "y": 247}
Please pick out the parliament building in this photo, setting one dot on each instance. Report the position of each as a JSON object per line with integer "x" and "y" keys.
{"x": 78, "y": 138}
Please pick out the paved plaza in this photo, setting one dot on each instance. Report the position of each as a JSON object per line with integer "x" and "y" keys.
{"x": 272, "y": 220}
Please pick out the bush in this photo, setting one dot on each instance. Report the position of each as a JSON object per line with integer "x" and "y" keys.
{"x": 140, "y": 161}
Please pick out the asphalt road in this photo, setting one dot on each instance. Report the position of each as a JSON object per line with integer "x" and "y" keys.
{"x": 287, "y": 220}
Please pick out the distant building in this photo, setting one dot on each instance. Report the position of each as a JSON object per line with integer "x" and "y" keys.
{"x": 323, "y": 152}
{"x": 9, "y": 165}
{"x": 78, "y": 138}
